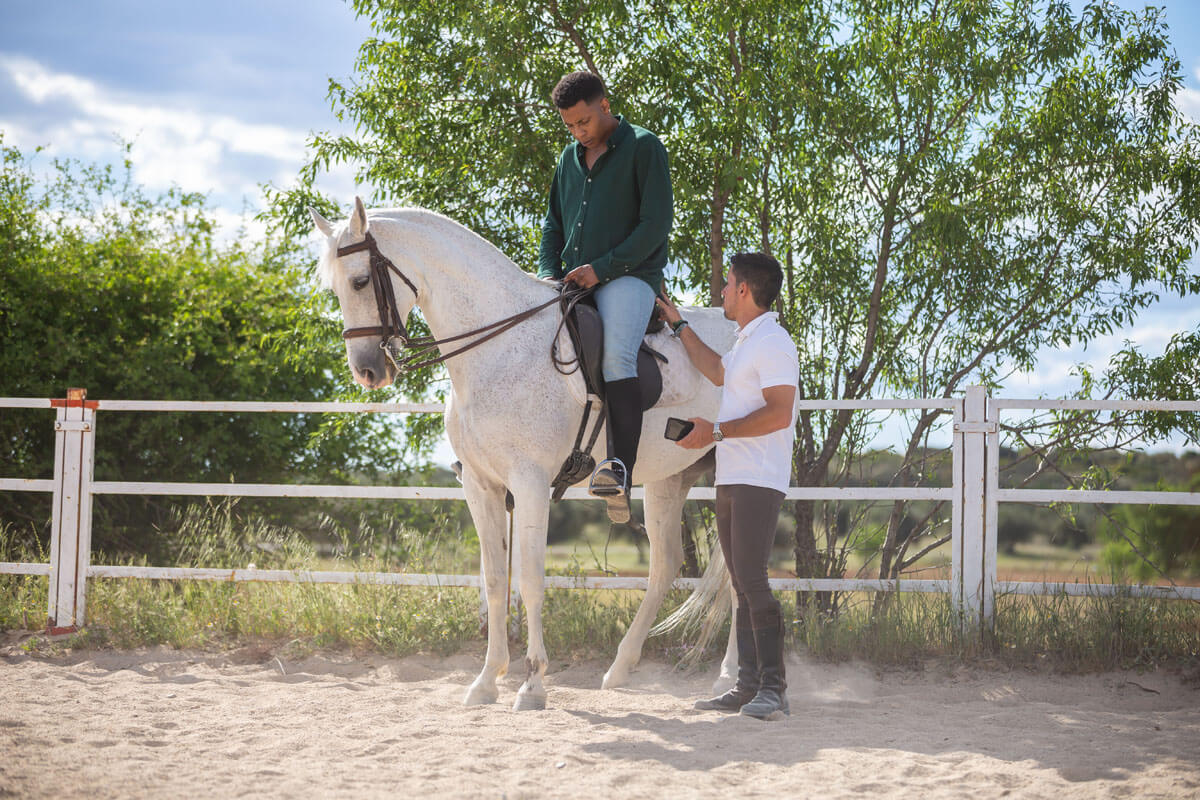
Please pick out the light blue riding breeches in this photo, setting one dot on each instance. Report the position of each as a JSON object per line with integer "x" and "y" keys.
{"x": 625, "y": 305}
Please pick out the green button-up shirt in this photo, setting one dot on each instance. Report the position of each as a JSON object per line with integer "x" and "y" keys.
{"x": 616, "y": 216}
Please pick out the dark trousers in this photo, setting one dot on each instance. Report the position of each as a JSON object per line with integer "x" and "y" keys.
{"x": 746, "y": 521}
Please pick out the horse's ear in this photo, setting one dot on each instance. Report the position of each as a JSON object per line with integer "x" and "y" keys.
{"x": 358, "y": 218}
{"x": 323, "y": 225}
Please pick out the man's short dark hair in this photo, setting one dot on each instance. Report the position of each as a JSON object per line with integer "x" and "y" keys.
{"x": 577, "y": 86}
{"x": 761, "y": 273}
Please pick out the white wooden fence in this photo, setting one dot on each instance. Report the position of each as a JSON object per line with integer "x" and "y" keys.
{"x": 974, "y": 497}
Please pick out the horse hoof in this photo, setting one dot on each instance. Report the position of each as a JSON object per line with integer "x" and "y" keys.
{"x": 530, "y": 701}
{"x": 481, "y": 695}
{"x": 615, "y": 678}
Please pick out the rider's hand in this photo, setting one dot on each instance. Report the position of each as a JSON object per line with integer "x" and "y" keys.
{"x": 667, "y": 310}
{"x": 584, "y": 277}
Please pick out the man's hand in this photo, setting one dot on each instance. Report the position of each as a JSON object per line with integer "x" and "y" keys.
{"x": 701, "y": 435}
{"x": 584, "y": 277}
{"x": 667, "y": 310}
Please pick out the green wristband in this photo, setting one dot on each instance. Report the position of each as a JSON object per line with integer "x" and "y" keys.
{"x": 678, "y": 326}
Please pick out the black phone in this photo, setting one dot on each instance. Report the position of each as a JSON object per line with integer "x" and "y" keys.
{"x": 678, "y": 428}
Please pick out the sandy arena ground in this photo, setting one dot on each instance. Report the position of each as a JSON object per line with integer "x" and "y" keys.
{"x": 165, "y": 723}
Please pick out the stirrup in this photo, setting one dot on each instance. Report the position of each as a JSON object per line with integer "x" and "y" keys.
{"x": 607, "y": 488}
{"x": 613, "y": 490}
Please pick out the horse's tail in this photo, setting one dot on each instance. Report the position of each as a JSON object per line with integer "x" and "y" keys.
{"x": 704, "y": 610}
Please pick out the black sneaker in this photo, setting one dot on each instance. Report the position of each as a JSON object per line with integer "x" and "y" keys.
{"x": 610, "y": 483}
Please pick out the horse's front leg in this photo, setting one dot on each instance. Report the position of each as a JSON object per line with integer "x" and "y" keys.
{"x": 487, "y": 510}
{"x": 530, "y": 488}
{"x": 664, "y": 509}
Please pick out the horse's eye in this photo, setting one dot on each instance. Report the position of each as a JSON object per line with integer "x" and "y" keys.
{"x": 361, "y": 283}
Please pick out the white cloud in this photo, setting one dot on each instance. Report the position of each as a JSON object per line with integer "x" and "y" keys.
{"x": 216, "y": 154}
{"x": 238, "y": 226}
{"x": 1188, "y": 103}
{"x": 1054, "y": 374}
{"x": 179, "y": 146}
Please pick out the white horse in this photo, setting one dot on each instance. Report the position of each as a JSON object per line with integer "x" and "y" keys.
{"x": 512, "y": 416}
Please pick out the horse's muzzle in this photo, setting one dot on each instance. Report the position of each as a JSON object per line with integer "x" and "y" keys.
{"x": 371, "y": 367}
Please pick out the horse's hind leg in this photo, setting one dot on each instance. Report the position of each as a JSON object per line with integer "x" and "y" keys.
{"x": 729, "y": 664}
{"x": 664, "y": 507}
{"x": 531, "y": 516}
{"x": 487, "y": 510}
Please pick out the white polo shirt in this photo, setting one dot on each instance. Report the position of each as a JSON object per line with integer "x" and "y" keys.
{"x": 763, "y": 356}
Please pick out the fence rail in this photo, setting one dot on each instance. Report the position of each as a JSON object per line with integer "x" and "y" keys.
{"x": 974, "y": 497}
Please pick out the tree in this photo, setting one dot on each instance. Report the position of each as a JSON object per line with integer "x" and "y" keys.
{"x": 129, "y": 296}
{"x": 999, "y": 178}
{"x": 452, "y": 111}
{"x": 951, "y": 184}
{"x": 1149, "y": 542}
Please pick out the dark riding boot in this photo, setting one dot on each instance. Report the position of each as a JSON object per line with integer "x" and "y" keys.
{"x": 623, "y": 401}
{"x": 747, "y": 678}
{"x": 771, "y": 701}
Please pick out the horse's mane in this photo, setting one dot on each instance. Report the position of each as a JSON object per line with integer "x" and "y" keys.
{"x": 413, "y": 215}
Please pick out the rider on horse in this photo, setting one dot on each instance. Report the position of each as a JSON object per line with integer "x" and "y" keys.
{"x": 607, "y": 223}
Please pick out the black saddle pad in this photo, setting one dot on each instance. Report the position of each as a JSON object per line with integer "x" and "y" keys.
{"x": 587, "y": 334}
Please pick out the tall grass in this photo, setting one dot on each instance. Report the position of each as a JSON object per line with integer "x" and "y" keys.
{"x": 1060, "y": 632}
{"x": 22, "y": 597}
{"x": 1057, "y": 632}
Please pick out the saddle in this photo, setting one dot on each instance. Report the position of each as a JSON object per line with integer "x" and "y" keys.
{"x": 586, "y": 331}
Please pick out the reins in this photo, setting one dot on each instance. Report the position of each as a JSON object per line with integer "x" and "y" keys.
{"x": 391, "y": 324}
{"x": 579, "y": 463}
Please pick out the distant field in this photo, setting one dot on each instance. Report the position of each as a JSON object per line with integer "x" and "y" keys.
{"x": 1029, "y": 561}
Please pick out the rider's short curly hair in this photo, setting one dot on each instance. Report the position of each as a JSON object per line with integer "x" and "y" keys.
{"x": 576, "y": 86}
{"x": 761, "y": 273}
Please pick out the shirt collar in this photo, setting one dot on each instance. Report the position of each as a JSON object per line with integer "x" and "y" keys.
{"x": 615, "y": 139}
{"x": 744, "y": 333}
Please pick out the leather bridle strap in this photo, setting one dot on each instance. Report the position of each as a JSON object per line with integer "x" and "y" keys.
{"x": 492, "y": 330}
{"x": 390, "y": 322}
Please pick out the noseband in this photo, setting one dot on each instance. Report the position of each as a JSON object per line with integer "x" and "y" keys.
{"x": 391, "y": 322}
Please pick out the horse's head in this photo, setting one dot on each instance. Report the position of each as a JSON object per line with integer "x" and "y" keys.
{"x": 374, "y": 306}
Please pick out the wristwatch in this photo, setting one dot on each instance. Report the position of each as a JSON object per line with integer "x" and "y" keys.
{"x": 717, "y": 435}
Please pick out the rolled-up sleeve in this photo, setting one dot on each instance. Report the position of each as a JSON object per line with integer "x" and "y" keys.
{"x": 655, "y": 214}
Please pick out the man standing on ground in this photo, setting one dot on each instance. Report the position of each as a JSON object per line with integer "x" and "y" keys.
{"x": 754, "y": 435}
{"x": 606, "y": 226}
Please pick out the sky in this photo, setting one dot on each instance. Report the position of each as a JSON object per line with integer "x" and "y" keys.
{"x": 219, "y": 97}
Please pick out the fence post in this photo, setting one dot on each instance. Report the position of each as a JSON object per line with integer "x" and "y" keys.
{"x": 956, "y": 516}
{"x": 71, "y": 514}
{"x": 991, "y": 512}
{"x": 969, "y": 549}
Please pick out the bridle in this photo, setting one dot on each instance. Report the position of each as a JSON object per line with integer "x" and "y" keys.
{"x": 391, "y": 322}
